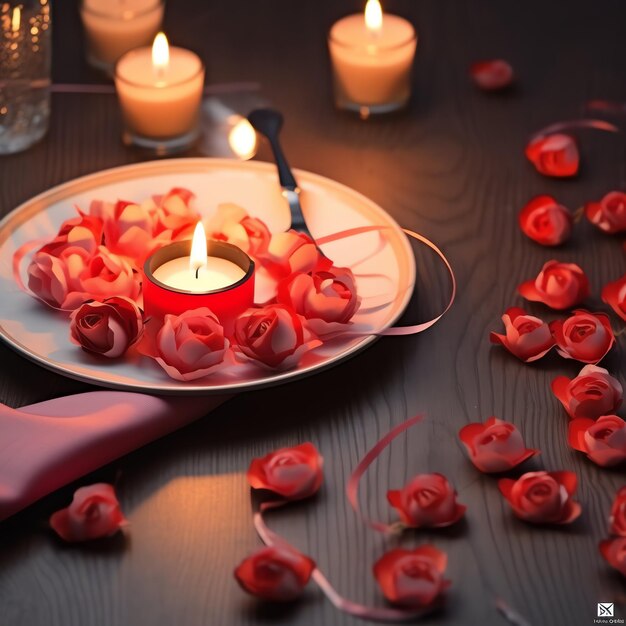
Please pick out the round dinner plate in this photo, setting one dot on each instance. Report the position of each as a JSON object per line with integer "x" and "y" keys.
{"x": 382, "y": 261}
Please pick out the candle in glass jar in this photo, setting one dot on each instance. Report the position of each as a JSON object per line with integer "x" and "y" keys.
{"x": 113, "y": 27}
{"x": 217, "y": 273}
{"x": 371, "y": 56}
{"x": 160, "y": 90}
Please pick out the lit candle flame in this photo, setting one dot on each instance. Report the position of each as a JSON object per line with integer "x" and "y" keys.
{"x": 242, "y": 139}
{"x": 160, "y": 53}
{"x": 373, "y": 16}
{"x": 16, "y": 19}
{"x": 198, "y": 257}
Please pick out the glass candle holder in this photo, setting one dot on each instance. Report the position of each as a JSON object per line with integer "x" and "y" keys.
{"x": 372, "y": 69}
{"x": 160, "y": 106}
{"x": 113, "y": 27}
{"x": 25, "y": 53}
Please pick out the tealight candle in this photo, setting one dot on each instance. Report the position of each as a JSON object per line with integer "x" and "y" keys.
{"x": 371, "y": 56}
{"x": 160, "y": 90}
{"x": 113, "y": 27}
{"x": 188, "y": 275}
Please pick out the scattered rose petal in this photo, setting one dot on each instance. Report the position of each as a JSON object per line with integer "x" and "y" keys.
{"x": 558, "y": 285}
{"x": 554, "y": 155}
{"x": 427, "y": 501}
{"x": 273, "y": 337}
{"x": 293, "y": 473}
{"x": 413, "y": 578}
{"x": 609, "y": 213}
{"x": 542, "y": 497}
{"x": 291, "y": 252}
{"x": 617, "y": 517}
{"x": 527, "y": 337}
{"x": 495, "y": 446}
{"x": 594, "y": 392}
{"x": 545, "y": 221}
{"x": 278, "y": 574}
{"x": 614, "y": 294}
{"x": 492, "y": 75}
{"x": 614, "y": 553}
{"x": 94, "y": 513}
{"x": 584, "y": 336}
{"x": 107, "y": 328}
{"x": 603, "y": 440}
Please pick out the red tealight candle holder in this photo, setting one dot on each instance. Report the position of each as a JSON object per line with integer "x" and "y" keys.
{"x": 226, "y": 302}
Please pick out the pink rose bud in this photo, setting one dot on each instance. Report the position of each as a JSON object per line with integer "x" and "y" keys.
{"x": 545, "y": 221}
{"x": 614, "y": 294}
{"x": 554, "y": 155}
{"x": 603, "y": 440}
{"x": 584, "y": 336}
{"x": 608, "y": 214}
{"x": 527, "y": 337}
{"x": 558, "y": 285}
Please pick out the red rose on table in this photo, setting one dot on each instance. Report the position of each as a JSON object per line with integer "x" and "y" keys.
{"x": 555, "y": 155}
{"x": 614, "y": 294}
{"x": 614, "y": 553}
{"x": 94, "y": 513}
{"x": 190, "y": 345}
{"x": 558, "y": 285}
{"x": 608, "y": 214}
{"x": 291, "y": 252}
{"x": 545, "y": 221}
{"x": 584, "y": 336}
{"x": 293, "y": 473}
{"x": 326, "y": 298}
{"x": 278, "y": 574}
{"x": 273, "y": 337}
{"x": 232, "y": 223}
{"x": 108, "y": 328}
{"x": 603, "y": 441}
{"x": 542, "y": 497}
{"x": 427, "y": 501}
{"x": 527, "y": 337}
{"x": 594, "y": 392}
{"x": 492, "y": 75}
{"x": 413, "y": 578}
{"x": 617, "y": 517}
{"x": 106, "y": 273}
{"x": 495, "y": 446}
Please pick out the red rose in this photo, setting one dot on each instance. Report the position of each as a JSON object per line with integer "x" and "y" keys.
{"x": 412, "y": 578}
{"x": 614, "y": 294}
{"x": 545, "y": 221}
{"x": 190, "y": 345}
{"x": 617, "y": 517}
{"x": 94, "y": 513}
{"x": 293, "y": 473}
{"x": 278, "y": 574}
{"x": 427, "y": 501}
{"x": 108, "y": 328}
{"x": 555, "y": 155}
{"x": 542, "y": 497}
{"x": 495, "y": 446}
{"x": 594, "y": 392}
{"x": 558, "y": 285}
{"x": 527, "y": 337}
{"x": 584, "y": 336}
{"x": 609, "y": 214}
{"x": 603, "y": 441}
{"x": 272, "y": 337}
{"x": 291, "y": 252}
{"x": 232, "y": 223}
{"x": 326, "y": 298}
{"x": 614, "y": 553}
{"x": 492, "y": 75}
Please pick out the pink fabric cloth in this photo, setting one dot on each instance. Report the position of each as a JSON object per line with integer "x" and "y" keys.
{"x": 47, "y": 445}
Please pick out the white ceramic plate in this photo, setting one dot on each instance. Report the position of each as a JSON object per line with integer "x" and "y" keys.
{"x": 42, "y": 334}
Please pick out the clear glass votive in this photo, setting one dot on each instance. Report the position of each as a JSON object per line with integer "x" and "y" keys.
{"x": 113, "y": 27}
{"x": 25, "y": 52}
{"x": 372, "y": 70}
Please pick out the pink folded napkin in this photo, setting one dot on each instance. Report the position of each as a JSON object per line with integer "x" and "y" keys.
{"x": 46, "y": 445}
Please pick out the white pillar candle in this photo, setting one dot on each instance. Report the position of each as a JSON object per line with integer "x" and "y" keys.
{"x": 371, "y": 56}
{"x": 113, "y": 27}
{"x": 160, "y": 90}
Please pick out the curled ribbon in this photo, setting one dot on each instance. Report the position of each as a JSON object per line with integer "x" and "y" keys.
{"x": 560, "y": 127}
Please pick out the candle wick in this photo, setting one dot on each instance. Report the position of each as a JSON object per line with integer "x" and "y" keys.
{"x": 197, "y": 271}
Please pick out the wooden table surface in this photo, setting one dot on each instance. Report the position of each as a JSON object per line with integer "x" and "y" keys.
{"x": 451, "y": 167}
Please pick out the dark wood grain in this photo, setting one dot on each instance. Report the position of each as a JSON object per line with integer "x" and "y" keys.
{"x": 450, "y": 167}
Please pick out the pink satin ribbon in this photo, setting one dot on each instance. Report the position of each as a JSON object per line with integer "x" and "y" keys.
{"x": 560, "y": 127}
{"x": 47, "y": 445}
